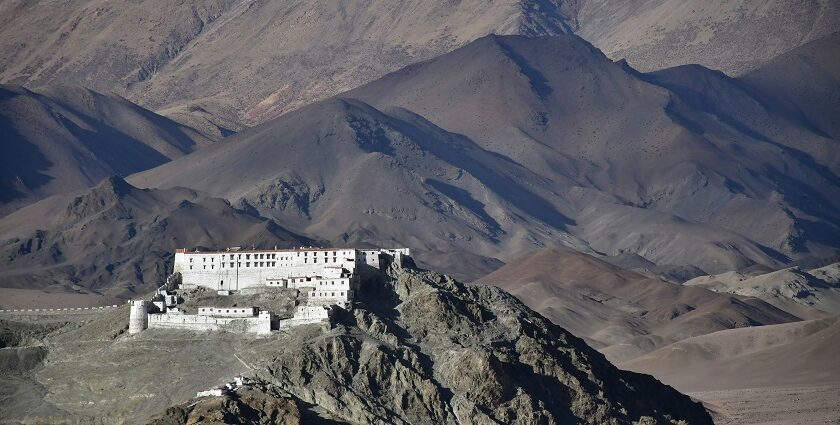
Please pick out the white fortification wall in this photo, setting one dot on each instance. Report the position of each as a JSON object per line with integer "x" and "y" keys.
{"x": 260, "y": 324}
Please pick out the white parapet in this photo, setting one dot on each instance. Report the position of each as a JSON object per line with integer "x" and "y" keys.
{"x": 213, "y": 392}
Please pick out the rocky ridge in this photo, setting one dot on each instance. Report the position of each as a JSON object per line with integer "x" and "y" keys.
{"x": 424, "y": 348}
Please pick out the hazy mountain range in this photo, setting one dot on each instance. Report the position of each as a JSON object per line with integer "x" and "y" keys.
{"x": 219, "y": 64}
{"x": 511, "y": 144}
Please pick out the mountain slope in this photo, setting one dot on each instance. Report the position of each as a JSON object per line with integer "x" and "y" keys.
{"x": 219, "y": 64}
{"x": 637, "y": 156}
{"x": 791, "y": 354}
{"x": 732, "y": 36}
{"x": 117, "y": 240}
{"x": 378, "y": 177}
{"x": 623, "y": 313}
{"x": 68, "y": 138}
{"x": 243, "y": 61}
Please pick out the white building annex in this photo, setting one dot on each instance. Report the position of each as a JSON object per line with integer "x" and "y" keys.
{"x": 327, "y": 276}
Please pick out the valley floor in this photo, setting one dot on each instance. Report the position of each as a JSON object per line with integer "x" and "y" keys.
{"x": 776, "y": 406}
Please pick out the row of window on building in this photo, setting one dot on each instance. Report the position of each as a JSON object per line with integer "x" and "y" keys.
{"x": 329, "y": 294}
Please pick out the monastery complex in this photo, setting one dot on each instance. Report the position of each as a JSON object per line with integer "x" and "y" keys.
{"x": 325, "y": 277}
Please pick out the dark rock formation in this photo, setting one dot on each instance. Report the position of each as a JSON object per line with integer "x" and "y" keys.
{"x": 424, "y": 348}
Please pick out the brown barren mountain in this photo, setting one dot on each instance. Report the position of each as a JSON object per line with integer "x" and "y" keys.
{"x": 785, "y": 355}
{"x": 800, "y": 292}
{"x": 240, "y": 60}
{"x": 732, "y": 36}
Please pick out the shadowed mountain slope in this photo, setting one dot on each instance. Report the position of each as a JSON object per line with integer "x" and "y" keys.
{"x": 117, "y": 240}
{"x": 647, "y": 162}
{"x": 623, "y": 313}
{"x": 63, "y": 139}
{"x": 791, "y": 354}
{"x": 806, "y": 80}
{"x": 352, "y": 174}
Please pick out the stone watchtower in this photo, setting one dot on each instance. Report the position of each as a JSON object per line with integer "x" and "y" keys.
{"x": 138, "y": 316}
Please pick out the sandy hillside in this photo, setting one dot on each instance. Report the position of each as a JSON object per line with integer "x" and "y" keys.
{"x": 786, "y": 355}
{"x": 800, "y": 292}
{"x": 732, "y": 36}
{"x": 14, "y": 299}
{"x": 623, "y": 313}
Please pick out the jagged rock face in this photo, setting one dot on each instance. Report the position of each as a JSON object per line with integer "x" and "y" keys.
{"x": 424, "y": 348}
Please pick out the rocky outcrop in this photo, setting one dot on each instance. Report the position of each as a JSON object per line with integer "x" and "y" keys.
{"x": 424, "y": 348}
{"x": 253, "y": 406}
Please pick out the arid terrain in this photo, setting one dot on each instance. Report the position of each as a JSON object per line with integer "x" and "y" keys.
{"x": 594, "y": 192}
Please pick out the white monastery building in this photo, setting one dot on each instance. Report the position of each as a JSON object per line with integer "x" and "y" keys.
{"x": 328, "y": 276}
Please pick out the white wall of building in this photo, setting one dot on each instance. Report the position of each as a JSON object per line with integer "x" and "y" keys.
{"x": 228, "y": 311}
{"x": 234, "y": 270}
